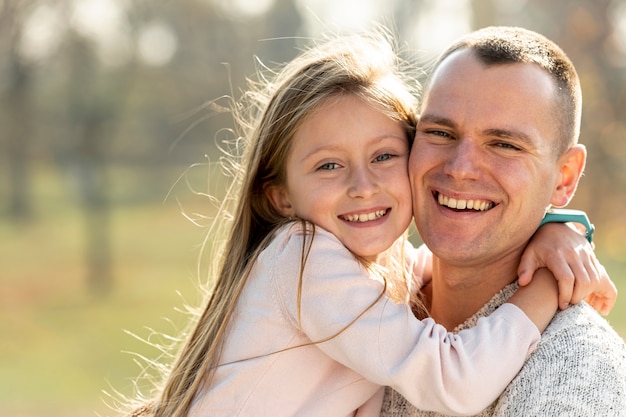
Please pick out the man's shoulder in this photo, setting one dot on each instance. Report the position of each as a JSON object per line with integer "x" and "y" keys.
{"x": 579, "y": 340}
{"x": 579, "y": 366}
{"x": 580, "y": 321}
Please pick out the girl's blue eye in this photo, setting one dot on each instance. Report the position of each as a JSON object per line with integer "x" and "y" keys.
{"x": 383, "y": 157}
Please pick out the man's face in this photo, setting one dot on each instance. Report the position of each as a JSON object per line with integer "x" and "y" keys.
{"x": 482, "y": 166}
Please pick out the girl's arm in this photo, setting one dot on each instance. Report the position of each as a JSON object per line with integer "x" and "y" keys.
{"x": 538, "y": 299}
{"x": 570, "y": 257}
{"x": 345, "y": 313}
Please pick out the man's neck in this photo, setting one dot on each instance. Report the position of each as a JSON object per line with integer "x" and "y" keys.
{"x": 455, "y": 294}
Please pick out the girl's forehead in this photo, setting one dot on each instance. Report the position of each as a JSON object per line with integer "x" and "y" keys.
{"x": 346, "y": 123}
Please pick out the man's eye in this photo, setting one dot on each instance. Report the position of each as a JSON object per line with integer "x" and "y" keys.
{"x": 329, "y": 166}
{"x": 439, "y": 133}
{"x": 505, "y": 145}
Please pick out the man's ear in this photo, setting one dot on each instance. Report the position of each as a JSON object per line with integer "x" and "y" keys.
{"x": 572, "y": 165}
{"x": 278, "y": 196}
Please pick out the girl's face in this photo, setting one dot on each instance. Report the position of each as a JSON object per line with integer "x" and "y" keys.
{"x": 347, "y": 173}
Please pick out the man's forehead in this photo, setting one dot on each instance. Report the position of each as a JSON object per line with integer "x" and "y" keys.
{"x": 460, "y": 70}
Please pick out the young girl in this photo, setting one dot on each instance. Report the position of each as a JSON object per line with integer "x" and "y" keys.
{"x": 310, "y": 314}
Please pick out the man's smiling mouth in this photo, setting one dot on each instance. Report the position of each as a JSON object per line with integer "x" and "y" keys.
{"x": 364, "y": 217}
{"x": 459, "y": 204}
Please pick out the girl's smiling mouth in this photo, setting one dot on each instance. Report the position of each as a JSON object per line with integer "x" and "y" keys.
{"x": 364, "y": 217}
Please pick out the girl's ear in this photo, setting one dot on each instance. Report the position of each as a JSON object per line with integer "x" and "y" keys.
{"x": 572, "y": 164}
{"x": 279, "y": 197}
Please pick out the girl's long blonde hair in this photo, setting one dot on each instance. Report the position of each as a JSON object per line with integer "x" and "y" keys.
{"x": 365, "y": 66}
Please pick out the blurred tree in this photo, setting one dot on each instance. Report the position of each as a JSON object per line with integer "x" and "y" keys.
{"x": 89, "y": 110}
{"x": 16, "y": 108}
{"x": 122, "y": 115}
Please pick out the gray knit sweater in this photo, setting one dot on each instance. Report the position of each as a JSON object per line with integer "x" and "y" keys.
{"x": 577, "y": 370}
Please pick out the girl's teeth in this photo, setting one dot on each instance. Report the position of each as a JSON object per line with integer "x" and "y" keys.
{"x": 365, "y": 217}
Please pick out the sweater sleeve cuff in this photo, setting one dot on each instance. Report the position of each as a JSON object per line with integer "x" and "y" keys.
{"x": 519, "y": 320}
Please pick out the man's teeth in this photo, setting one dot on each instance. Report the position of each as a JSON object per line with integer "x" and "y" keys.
{"x": 365, "y": 217}
{"x": 478, "y": 205}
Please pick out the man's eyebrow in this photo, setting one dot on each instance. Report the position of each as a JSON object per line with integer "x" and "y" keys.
{"x": 511, "y": 134}
{"x": 438, "y": 120}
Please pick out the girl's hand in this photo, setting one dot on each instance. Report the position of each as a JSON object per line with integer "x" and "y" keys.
{"x": 604, "y": 296}
{"x": 570, "y": 257}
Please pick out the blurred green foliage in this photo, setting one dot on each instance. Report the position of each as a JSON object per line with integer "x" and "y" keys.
{"x": 61, "y": 347}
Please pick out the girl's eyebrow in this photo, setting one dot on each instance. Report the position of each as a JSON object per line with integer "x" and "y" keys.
{"x": 312, "y": 152}
{"x": 333, "y": 146}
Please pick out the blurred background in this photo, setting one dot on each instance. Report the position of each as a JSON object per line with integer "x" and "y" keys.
{"x": 110, "y": 123}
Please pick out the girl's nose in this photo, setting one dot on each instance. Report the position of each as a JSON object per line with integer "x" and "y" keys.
{"x": 363, "y": 184}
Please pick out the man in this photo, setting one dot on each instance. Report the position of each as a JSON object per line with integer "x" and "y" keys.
{"x": 496, "y": 145}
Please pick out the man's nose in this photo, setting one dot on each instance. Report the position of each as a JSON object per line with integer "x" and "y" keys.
{"x": 464, "y": 160}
